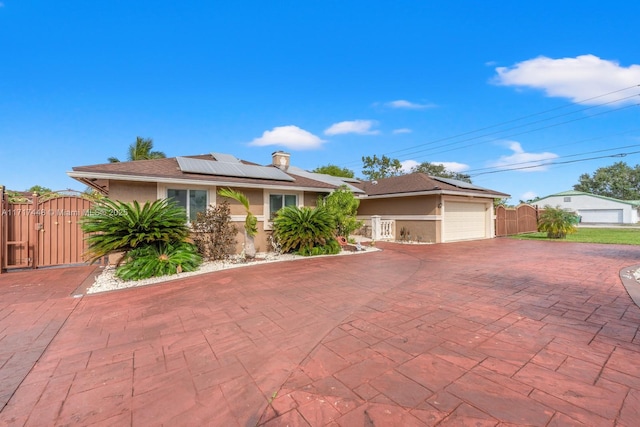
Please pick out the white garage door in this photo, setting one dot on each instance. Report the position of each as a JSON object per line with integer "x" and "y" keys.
{"x": 610, "y": 216}
{"x": 464, "y": 221}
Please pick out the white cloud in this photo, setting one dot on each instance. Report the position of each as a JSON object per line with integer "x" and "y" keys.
{"x": 402, "y": 130}
{"x": 361, "y": 127}
{"x": 453, "y": 166}
{"x": 407, "y": 165}
{"x": 523, "y": 161}
{"x": 528, "y": 195}
{"x": 291, "y": 137}
{"x": 578, "y": 79}
{"x": 402, "y": 103}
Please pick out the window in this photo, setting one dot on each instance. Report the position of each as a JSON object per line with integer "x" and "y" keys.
{"x": 193, "y": 201}
{"x": 567, "y": 199}
{"x": 279, "y": 201}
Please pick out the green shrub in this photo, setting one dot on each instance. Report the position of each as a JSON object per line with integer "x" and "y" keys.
{"x": 332, "y": 247}
{"x": 557, "y": 222}
{"x": 115, "y": 226}
{"x": 343, "y": 207}
{"x": 159, "y": 259}
{"x": 213, "y": 232}
{"x": 301, "y": 229}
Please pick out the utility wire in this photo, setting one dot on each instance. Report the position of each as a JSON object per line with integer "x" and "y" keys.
{"x": 519, "y": 126}
{"x": 558, "y": 163}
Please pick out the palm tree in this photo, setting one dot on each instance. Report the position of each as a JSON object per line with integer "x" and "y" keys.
{"x": 141, "y": 150}
{"x": 250, "y": 223}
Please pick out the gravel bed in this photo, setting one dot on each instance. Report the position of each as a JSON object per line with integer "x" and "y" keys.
{"x": 107, "y": 281}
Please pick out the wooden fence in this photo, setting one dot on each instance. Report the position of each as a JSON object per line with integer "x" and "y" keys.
{"x": 518, "y": 220}
{"x": 39, "y": 232}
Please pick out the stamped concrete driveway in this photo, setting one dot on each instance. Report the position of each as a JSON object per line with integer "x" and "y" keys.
{"x": 498, "y": 332}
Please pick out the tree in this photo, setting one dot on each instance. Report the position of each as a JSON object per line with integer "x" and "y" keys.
{"x": 334, "y": 170}
{"x": 619, "y": 181}
{"x": 250, "y": 223}
{"x": 380, "y": 167}
{"x": 39, "y": 189}
{"x": 436, "y": 169}
{"x": 142, "y": 149}
{"x": 343, "y": 207}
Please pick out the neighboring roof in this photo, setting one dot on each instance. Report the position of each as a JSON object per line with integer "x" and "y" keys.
{"x": 582, "y": 193}
{"x": 329, "y": 179}
{"x": 423, "y": 183}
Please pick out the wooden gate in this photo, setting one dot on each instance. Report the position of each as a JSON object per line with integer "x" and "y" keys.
{"x": 521, "y": 219}
{"x": 41, "y": 232}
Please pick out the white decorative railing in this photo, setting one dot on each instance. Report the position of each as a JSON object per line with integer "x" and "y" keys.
{"x": 382, "y": 229}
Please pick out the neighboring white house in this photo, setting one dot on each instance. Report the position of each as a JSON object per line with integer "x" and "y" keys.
{"x": 594, "y": 209}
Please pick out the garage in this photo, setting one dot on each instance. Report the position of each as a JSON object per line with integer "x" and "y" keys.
{"x": 464, "y": 221}
{"x": 603, "y": 216}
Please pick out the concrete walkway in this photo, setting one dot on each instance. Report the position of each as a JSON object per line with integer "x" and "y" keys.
{"x": 499, "y": 332}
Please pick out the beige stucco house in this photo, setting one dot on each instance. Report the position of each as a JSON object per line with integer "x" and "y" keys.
{"x": 430, "y": 209}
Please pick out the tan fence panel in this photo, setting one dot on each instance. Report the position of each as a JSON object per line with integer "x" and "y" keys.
{"x": 61, "y": 240}
{"x": 42, "y": 233}
{"x": 512, "y": 221}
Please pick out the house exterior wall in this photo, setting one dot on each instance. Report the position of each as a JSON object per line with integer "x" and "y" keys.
{"x": 583, "y": 202}
{"x": 415, "y": 205}
{"x": 420, "y": 215}
{"x": 129, "y": 191}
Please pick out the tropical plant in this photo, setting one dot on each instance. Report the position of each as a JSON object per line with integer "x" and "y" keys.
{"x": 343, "y": 207}
{"x": 142, "y": 149}
{"x": 213, "y": 233}
{"x": 114, "y": 226}
{"x": 250, "y": 223}
{"x": 557, "y": 222}
{"x": 301, "y": 229}
{"x": 159, "y": 259}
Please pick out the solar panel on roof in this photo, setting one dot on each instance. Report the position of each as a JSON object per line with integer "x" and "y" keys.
{"x": 458, "y": 183}
{"x": 240, "y": 170}
{"x": 222, "y": 157}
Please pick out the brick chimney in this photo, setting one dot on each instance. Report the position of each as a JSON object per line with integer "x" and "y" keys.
{"x": 280, "y": 159}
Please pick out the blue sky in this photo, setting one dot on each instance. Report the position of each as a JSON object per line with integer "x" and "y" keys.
{"x": 479, "y": 86}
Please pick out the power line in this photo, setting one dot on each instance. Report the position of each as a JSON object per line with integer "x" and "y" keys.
{"x": 519, "y": 126}
{"x": 558, "y": 163}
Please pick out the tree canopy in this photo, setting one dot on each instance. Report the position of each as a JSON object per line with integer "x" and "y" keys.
{"x": 619, "y": 181}
{"x": 436, "y": 169}
{"x": 384, "y": 167}
{"x": 380, "y": 167}
{"x": 142, "y": 149}
{"x": 334, "y": 170}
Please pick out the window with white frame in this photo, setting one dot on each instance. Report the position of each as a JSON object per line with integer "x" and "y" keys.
{"x": 193, "y": 201}
{"x": 279, "y": 201}
{"x": 567, "y": 199}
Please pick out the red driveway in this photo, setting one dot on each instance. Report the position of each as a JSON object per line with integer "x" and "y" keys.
{"x": 498, "y": 332}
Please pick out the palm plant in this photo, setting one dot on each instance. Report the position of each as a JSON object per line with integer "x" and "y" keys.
{"x": 159, "y": 259}
{"x": 142, "y": 149}
{"x": 302, "y": 229}
{"x": 115, "y": 226}
{"x": 250, "y": 223}
{"x": 557, "y": 222}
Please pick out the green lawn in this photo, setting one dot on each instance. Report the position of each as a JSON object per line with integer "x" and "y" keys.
{"x": 620, "y": 236}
